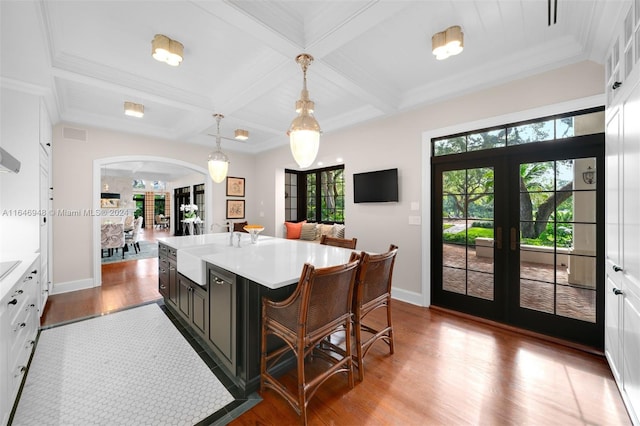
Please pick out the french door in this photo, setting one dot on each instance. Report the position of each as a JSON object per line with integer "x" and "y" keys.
{"x": 180, "y": 196}
{"x": 518, "y": 237}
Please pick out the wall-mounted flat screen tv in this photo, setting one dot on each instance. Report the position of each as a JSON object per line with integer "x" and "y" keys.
{"x": 375, "y": 187}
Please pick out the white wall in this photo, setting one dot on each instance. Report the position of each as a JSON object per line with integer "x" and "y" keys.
{"x": 397, "y": 142}
{"x": 73, "y": 183}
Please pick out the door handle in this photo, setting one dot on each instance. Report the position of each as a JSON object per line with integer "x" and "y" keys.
{"x": 617, "y": 291}
{"x": 499, "y": 238}
{"x": 617, "y": 268}
{"x": 512, "y": 240}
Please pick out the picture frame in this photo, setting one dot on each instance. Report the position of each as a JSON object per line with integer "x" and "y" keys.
{"x": 235, "y": 187}
{"x": 235, "y": 209}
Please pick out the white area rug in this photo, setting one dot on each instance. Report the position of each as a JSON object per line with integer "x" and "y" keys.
{"x": 128, "y": 368}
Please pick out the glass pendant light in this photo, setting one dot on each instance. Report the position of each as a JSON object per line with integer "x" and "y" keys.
{"x": 304, "y": 132}
{"x": 218, "y": 162}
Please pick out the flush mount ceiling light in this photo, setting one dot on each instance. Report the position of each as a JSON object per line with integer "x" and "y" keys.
{"x": 447, "y": 43}
{"x": 133, "y": 109}
{"x": 241, "y": 135}
{"x": 164, "y": 49}
{"x": 304, "y": 132}
{"x": 218, "y": 162}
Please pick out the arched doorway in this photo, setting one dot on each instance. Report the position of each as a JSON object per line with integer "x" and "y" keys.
{"x": 100, "y": 164}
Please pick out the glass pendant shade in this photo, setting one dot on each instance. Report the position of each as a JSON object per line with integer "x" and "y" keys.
{"x": 304, "y": 132}
{"x": 218, "y": 162}
{"x": 218, "y": 166}
{"x": 304, "y": 138}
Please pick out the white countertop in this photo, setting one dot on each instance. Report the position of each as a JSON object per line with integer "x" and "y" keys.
{"x": 272, "y": 262}
{"x": 194, "y": 240}
{"x": 7, "y": 283}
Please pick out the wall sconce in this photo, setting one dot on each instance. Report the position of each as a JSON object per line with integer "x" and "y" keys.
{"x": 589, "y": 176}
{"x": 133, "y": 109}
{"x": 164, "y": 49}
{"x": 447, "y": 43}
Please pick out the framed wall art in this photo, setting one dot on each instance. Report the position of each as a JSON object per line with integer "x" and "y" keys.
{"x": 235, "y": 187}
{"x": 109, "y": 203}
{"x": 235, "y": 209}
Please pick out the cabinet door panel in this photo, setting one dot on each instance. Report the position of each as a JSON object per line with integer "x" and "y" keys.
{"x": 631, "y": 194}
{"x": 612, "y": 193}
{"x": 612, "y": 325}
{"x": 200, "y": 309}
{"x": 173, "y": 283}
{"x": 184, "y": 297}
{"x": 222, "y": 316}
{"x": 631, "y": 349}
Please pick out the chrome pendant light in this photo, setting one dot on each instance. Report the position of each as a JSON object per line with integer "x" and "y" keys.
{"x": 304, "y": 132}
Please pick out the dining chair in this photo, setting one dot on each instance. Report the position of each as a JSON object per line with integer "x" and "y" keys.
{"x": 112, "y": 237}
{"x": 373, "y": 291}
{"x": 319, "y": 307}
{"x": 349, "y": 243}
{"x": 129, "y": 223}
{"x": 135, "y": 235}
{"x": 162, "y": 221}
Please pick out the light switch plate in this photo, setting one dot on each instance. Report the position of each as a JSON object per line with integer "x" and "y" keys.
{"x": 414, "y": 220}
{"x": 415, "y": 206}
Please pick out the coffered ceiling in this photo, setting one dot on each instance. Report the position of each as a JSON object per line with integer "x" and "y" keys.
{"x": 372, "y": 58}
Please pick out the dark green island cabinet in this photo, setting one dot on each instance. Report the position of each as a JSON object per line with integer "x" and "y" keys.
{"x": 224, "y": 314}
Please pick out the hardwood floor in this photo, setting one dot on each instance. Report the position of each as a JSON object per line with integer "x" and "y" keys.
{"x": 124, "y": 284}
{"x": 446, "y": 370}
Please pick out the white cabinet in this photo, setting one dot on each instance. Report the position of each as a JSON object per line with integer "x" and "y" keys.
{"x": 25, "y": 223}
{"x": 622, "y": 297}
{"x": 18, "y": 330}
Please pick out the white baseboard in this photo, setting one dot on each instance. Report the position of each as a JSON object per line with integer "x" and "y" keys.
{"x": 408, "y": 296}
{"x": 66, "y": 287}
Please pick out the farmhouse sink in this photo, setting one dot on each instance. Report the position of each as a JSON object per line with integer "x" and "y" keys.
{"x": 191, "y": 265}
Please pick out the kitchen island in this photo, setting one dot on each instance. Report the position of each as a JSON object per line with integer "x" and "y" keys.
{"x": 216, "y": 283}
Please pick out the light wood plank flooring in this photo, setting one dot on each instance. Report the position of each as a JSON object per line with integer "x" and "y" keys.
{"x": 447, "y": 370}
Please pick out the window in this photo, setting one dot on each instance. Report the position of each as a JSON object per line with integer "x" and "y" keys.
{"x": 198, "y": 199}
{"x": 550, "y": 129}
{"x": 319, "y": 195}
{"x": 158, "y": 207}
{"x": 138, "y": 184}
{"x": 139, "y": 201}
{"x": 291, "y": 197}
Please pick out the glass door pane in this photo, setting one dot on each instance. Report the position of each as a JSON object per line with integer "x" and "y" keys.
{"x": 558, "y": 237}
{"x": 468, "y": 231}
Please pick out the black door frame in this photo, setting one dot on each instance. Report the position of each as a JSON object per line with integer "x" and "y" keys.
{"x": 180, "y": 196}
{"x": 505, "y": 307}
